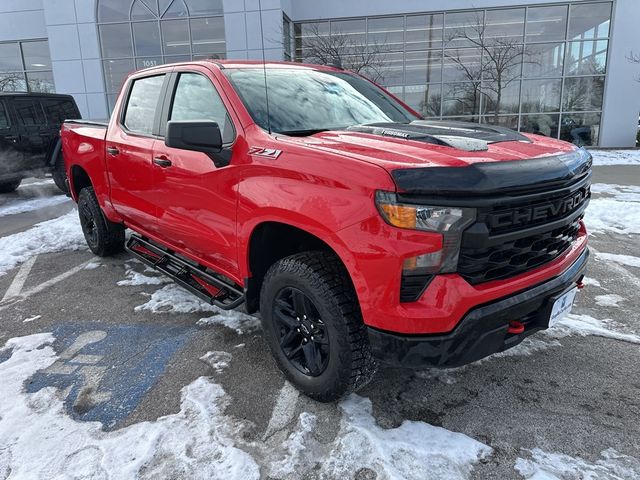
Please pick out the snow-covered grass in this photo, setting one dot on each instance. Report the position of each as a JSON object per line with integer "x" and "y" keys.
{"x": 628, "y": 260}
{"x": 556, "y": 466}
{"x": 62, "y": 233}
{"x": 615, "y": 157}
{"x": 39, "y": 439}
{"x": 21, "y": 206}
{"x": 616, "y": 209}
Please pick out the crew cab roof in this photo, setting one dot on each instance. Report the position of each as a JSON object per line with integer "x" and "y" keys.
{"x": 249, "y": 64}
{"x": 35, "y": 94}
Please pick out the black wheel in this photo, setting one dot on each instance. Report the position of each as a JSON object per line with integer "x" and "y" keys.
{"x": 59, "y": 175}
{"x": 312, "y": 323}
{"x": 103, "y": 237}
{"x": 12, "y": 186}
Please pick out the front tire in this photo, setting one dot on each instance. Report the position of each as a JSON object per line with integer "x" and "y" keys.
{"x": 312, "y": 322}
{"x": 103, "y": 237}
{"x": 8, "y": 187}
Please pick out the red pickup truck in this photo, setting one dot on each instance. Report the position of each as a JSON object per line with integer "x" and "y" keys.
{"x": 361, "y": 232}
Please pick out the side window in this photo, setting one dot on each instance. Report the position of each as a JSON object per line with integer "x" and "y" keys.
{"x": 197, "y": 99}
{"x": 141, "y": 107}
{"x": 57, "y": 111}
{"x": 29, "y": 112}
{"x": 4, "y": 117}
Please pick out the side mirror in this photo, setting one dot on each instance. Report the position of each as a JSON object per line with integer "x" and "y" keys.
{"x": 197, "y": 135}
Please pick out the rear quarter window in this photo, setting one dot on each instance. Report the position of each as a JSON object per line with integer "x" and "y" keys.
{"x": 57, "y": 111}
{"x": 142, "y": 104}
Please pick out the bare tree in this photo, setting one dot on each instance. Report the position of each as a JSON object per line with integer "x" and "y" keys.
{"x": 501, "y": 58}
{"x": 11, "y": 82}
{"x": 346, "y": 50}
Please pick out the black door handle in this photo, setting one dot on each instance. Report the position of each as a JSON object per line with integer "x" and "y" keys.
{"x": 113, "y": 151}
{"x": 162, "y": 162}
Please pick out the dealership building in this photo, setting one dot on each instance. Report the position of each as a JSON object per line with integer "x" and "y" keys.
{"x": 558, "y": 68}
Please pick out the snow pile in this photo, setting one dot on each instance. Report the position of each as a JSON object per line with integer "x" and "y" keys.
{"x": 617, "y": 209}
{"x": 137, "y": 278}
{"x": 300, "y": 449}
{"x": 39, "y": 440}
{"x": 217, "y": 360}
{"x": 174, "y": 299}
{"x": 627, "y": 260}
{"x": 22, "y": 206}
{"x": 615, "y": 157}
{"x": 610, "y": 300}
{"x": 557, "y": 466}
{"x": 414, "y": 450}
{"x": 62, "y": 233}
{"x": 584, "y": 325}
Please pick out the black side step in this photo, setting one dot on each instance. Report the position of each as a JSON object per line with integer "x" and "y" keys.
{"x": 212, "y": 289}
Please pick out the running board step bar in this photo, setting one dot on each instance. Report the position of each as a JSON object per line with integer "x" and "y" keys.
{"x": 212, "y": 289}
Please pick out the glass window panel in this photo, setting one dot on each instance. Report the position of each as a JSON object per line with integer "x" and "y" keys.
{"x": 146, "y": 38}
{"x": 286, "y": 37}
{"x": 197, "y": 99}
{"x": 543, "y": 60}
{"x": 504, "y": 26}
{"x": 461, "y": 99}
{"x": 502, "y": 64}
{"x": 423, "y": 67}
{"x": 115, "y": 72}
{"x": 113, "y": 10}
{"x": 207, "y": 35}
{"x": 541, "y": 96}
{"x": 4, "y": 117}
{"x": 582, "y": 129}
{"x": 152, "y": 5}
{"x": 506, "y": 121}
{"x": 12, "y": 82}
{"x": 41, "y": 82}
{"x": 501, "y": 98}
{"x": 385, "y": 34}
{"x": 36, "y": 55}
{"x": 175, "y": 37}
{"x": 142, "y": 104}
{"x": 209, "y": 56}
{"x": 140, "y": 11}
{"x": 473, "y": 119}
{"x": 388, "y": 67}
{"x": 589, "y": 21}
{"x": 29, "y": 112}
{"x": 463, "y": 28}
{"x": 177, "y": 58}
{"x": 10, "y": 57}
{"x": 544, "y": 124}
{"x": 116, "y": 40}
{"x": 587, "y": 58}
{"x": 204, "y": 7}
{"x": 424, "y": 31}
{"x": 308, "y": 36}
{"x": 424, "y": 99}
{"x": 582, "y": 94}
{"x": 177, "y": 9}
{"x": 462, "y": 64}
{"x": 546, "y": 24}
{"x": 148, "y": 62}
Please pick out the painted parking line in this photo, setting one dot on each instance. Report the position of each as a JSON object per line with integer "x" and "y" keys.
{"x": 21, "y": 277}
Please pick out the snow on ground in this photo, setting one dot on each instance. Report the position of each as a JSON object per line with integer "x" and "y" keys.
{"x": 616, "y": 209}
{"x": 174, "y": 299}
{"x": 62, "y": 233}
{"x": 610, "y": 300}
{"x": 137, "y": 278}
{"x": 39, "y": 439}
{"x": 556, "y": 466}
{"x": 13, "y": 207}
{"x": 615, "y": 157}
{"x": 628, "y": 260}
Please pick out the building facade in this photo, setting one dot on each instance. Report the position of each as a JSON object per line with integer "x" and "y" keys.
{"x": 557, "y": 68}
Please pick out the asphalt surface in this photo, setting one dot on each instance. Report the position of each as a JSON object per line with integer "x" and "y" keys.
{"x": 579, "y": 397}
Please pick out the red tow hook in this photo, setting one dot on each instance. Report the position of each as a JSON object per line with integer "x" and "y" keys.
{"x": 580, "y": 285}
{"x": 515, "y": 327}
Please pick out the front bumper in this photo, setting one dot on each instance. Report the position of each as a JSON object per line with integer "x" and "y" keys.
{"x": 482, "y": 331}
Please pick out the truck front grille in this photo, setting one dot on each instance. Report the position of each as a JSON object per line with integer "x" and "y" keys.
{"x": 514, "y": 234}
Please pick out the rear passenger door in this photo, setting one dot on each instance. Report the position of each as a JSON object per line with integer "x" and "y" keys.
{"x": 129, "y": 151}
{"x": 10, "y": 156}
{"x": 32, "y": 126}
{"x": 197, "y": 200}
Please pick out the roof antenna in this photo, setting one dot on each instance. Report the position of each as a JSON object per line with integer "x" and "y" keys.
{"x": 264, "y": 67}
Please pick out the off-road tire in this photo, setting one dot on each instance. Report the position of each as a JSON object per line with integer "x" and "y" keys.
{"x": 8, "y": 187}
{"x": 103, "y": 237}
{"x": 59, "y": 175}
{"x": 323, "y": 280}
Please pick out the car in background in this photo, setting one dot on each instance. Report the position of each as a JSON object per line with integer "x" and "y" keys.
{"x": 30, "y": 137}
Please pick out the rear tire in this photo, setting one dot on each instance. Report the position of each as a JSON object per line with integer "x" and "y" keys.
{"x": 59, "y": 175}
{"x": 325, "y": 354}
{"x": 8, "y": 187}
{"x": 103, "y": 237}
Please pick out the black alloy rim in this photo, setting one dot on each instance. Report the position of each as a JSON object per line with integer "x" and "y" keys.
{"x": 88, "y": 225}
{"x": 302, "y": 334}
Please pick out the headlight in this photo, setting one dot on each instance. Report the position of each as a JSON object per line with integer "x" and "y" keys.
{"x": 448, "y": 221}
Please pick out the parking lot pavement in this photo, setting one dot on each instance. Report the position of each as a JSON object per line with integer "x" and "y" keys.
{"x": 110, "y": 369}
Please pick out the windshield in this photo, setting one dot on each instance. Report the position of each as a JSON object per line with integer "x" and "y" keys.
{"x": 303, "y": 102}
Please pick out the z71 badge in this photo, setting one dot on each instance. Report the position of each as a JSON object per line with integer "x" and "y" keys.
{"x": 265, "y": 152}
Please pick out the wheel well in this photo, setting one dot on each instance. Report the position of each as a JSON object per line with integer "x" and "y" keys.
{"x": 79, "y": 180}
{"x": 270, "y": 242}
